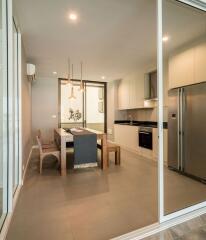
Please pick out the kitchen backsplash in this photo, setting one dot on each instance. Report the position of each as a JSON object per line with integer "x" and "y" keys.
{"x": 146, "y": 114}
{"x": 143, "y": 114}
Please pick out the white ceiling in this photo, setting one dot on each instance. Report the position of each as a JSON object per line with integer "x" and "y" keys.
{"x": 182, "y": 23}
{"x": 111, "y": 37}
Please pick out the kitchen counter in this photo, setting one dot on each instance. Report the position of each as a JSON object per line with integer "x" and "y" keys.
{"x": 127, "y": 136}
{"x": 140, "y": 123}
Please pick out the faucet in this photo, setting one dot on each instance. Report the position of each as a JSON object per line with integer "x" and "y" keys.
{"x": 131, "y": 119}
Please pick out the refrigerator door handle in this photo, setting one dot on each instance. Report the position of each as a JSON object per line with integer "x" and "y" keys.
{"x": 178, "y": 130}
{"x": 182, "y": 127}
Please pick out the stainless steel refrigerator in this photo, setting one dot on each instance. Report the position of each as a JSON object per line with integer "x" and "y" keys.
{"x": 187, "y": 130}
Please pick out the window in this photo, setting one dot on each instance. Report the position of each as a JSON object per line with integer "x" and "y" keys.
{"x": 76, "y": 112}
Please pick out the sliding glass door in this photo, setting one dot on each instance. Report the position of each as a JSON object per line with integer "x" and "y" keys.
{"x": 182, "y": 93}
{"x": 15, "y": 109}
{"x": 3, "y": 114}
{"x": 82, "y": 108}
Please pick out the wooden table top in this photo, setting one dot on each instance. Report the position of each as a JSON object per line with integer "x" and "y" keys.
{"x": 94, "y": 131}
{"x": 64, "y": 133}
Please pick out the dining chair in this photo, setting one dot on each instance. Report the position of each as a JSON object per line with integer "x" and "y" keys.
{"x": 47, "y": 152}
{"x": 45, "y": 145}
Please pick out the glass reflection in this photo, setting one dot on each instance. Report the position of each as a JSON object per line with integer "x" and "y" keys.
{"x": 184, "y": 46}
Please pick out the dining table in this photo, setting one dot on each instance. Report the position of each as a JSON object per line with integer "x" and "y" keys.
{"x": 61, "y": 137}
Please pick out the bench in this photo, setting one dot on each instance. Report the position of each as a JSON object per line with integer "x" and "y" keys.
{"x": 111, "y": 147}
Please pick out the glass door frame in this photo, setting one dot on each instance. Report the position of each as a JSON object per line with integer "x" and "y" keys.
{"x": 16, "y": 88}
{"x": 170, "y": 220}
{"x": 83, "y": 100}
{"x": 13, "y": 195}
{"x": 5, "y": 159}
{"x": 201, "y": 206}
{"x": 9, "y": 197}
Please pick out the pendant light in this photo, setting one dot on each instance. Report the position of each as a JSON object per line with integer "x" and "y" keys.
{"x": 81, "y": 83}
{"x": 72, "y": 96}
{"x": 69, "y": 78}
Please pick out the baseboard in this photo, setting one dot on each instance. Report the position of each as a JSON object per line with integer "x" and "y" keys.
{"x": 27, "y": 163}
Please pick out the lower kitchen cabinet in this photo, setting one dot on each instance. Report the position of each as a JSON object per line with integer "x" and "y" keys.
{"x": 127, "y": 137}
{"x": 155, "y": 144}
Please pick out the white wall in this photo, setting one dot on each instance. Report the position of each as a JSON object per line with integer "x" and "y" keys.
{"x": 26, "y": 112}
{"x": 45, "y": 107}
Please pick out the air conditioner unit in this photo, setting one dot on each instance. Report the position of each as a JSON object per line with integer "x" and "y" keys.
{"x": 31, "y": 69}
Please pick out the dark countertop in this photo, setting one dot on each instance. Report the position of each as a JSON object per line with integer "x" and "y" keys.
{"x": 140, "y": 123}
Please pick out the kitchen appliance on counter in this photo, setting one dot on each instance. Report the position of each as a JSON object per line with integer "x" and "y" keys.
{"x": 187, "y": 131}
{"x": 145, "y": 137}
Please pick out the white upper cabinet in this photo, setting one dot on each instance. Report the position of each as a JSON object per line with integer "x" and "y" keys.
{"x": 200, "y": 63}
{"x": 188, "y": 66}
{"x": 123, "y": 94}
{"x": 136, "y": 93}
{"x": 131, "y": 92}
{"x": 181, "y": 69}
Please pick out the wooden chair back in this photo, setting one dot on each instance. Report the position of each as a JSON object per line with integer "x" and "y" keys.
{"x": 39, "y": 144}
{"x": 39, "y": 133}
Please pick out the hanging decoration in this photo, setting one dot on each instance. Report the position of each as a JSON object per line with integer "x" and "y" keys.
{"x": 72, "y": 96}
{"x": 81, "y": 82}
{"x": 68, "y": 79}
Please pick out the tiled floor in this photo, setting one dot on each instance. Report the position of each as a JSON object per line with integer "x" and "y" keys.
{"x": 92, "y": 204}
{"x": 194, "y": 229}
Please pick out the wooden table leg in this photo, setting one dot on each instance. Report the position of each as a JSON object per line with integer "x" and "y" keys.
{"x": 104, "y": 155}
{"x": 63, "y": 157}
{"x": 117, "y": 156}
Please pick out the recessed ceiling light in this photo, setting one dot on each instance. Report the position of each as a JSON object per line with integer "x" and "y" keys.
{"x": 103, "y": 77}
{"x": 55, "y": 73}
{"x": 73, "y": 16}
{"x": 165, "y": 38}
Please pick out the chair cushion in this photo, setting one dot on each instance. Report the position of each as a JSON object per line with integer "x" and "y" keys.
{"x": 50, "y": 150}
